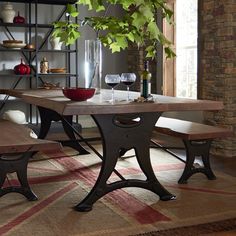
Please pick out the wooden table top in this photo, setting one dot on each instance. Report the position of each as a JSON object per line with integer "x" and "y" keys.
{"x": 99, "y": 104}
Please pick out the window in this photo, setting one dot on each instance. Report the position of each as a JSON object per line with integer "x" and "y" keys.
{"x": 186, "y": 48}
{"x": 180, "y": 74}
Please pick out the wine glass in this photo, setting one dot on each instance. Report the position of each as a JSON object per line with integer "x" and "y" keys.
{"x": 112, "y": 80}
{"x": 128, "y": 79}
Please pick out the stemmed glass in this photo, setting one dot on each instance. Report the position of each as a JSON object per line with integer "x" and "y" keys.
{"x": 128, "y": 79}
{"x": 112, "y": 80}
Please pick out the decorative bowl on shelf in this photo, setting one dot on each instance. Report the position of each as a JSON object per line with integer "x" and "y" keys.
{"x": 58, "y": 70}
{"x": 15, "y": 44}
{"x": 78, "y": 94}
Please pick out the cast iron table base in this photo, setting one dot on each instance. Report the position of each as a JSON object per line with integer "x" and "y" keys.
{"x": 118, "y": 135}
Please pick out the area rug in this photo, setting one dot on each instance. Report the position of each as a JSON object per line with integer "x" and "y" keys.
{"x": 62, "y": 179}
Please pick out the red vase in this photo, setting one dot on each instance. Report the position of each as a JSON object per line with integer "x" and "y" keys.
{"x": 28, "y": 69}
{"x": 22, "y": 69}
{"x": 19, "y": 19}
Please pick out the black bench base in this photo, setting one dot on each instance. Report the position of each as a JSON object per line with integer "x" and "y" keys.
{"x": 9, "y": 164}
{"x": 193, "y": 149}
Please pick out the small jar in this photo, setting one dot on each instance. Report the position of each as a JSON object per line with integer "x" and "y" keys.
{"x": 8, "y": 13}
{"x": 55, "y": 43}
{"x": 44, "y": 66}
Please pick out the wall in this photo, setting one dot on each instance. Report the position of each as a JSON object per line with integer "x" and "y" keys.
{"x": 217, "y": 66}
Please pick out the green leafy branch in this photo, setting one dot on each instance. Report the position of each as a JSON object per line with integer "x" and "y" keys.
{"x": 137, "y": 25}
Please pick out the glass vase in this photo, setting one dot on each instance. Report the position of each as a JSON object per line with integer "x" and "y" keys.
{"x": 93, "y": 64}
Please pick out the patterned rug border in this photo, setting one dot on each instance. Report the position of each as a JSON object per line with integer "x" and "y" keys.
{"x": 213, "y": 227}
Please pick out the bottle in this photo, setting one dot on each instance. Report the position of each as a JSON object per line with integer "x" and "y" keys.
{"x": 145, "y": 81}
{"x": 44, "y": 66}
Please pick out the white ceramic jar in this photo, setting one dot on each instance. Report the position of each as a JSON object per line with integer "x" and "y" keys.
{"x": 55, "y": 43}
{"x": 8, "y": 13}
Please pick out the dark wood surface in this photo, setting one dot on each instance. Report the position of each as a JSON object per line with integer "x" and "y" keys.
{"x": 190, "y": 130}
{"x": 99, "y": 104}
{"x": 15, "y": 138}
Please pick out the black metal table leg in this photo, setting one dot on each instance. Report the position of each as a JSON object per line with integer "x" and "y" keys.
{"x": 193, "y": 149}
{"x": 18, "y": 165}
{"x": 119, "y": 132}
{"x": 47, "y": 116}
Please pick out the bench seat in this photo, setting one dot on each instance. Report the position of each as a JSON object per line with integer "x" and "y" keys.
{"x": 197, "y": 139}
{"x": 16, "y": 147}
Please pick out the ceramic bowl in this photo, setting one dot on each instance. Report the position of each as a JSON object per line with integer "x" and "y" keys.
{"x": 78, "y": 94}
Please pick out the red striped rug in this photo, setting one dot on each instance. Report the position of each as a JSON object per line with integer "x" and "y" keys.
{"x": 62, "y": 179}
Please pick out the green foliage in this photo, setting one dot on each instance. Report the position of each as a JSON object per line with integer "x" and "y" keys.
{"x": 137, "y": 24}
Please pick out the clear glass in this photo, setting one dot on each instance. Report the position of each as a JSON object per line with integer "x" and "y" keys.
{"x": 93, "y": 64}
{"x": 112, "y": 80}
{"x": 128, "y": 79}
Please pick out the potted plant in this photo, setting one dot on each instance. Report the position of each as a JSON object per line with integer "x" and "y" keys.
{"x": 137, "y": 24}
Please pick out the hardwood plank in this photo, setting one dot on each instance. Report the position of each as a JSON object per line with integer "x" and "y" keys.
{"x": 190, "y": 130}
{"x": 15, "y": 138}
{"x": 98, "y": 104}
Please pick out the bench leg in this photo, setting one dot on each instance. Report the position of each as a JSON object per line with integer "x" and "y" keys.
{"x": 19, "y": 166}
{"x": 194, "y": 149}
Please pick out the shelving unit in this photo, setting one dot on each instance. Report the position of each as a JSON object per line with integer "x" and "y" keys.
{"x": 32, "y": 57}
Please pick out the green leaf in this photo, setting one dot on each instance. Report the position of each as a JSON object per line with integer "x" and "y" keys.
{"x": 121, "y": 41}
{"x": 71, "y": 10}
{"x": 126, "y": 4}
{"x": 93, "y": 4}
{"x": 146, "y": 11}
{"x": 130, "y": 36}
{"x": 138, "y": 20}
{"x": 169, "y": 52}
{"x": 115, "y": 47}
{"x": 153, "y": 30}
{"x": 151, "y": 51}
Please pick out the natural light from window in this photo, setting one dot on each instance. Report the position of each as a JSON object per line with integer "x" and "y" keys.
{"x": 186, "y": 48}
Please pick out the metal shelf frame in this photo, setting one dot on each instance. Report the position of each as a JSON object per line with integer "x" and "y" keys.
{"x": 30, "y": 56}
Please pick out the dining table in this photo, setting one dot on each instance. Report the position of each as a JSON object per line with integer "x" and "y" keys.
{"x": 123, "y": 125}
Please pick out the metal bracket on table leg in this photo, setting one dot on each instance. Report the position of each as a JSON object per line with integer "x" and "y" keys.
{"x": 117, "y": 135}
{"x": 18, "y": 165}
{"x": 194, "y": 149}
{"x": 47, "y": 116}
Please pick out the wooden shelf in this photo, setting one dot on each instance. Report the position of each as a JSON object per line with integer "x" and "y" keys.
{"x": 57, "y": 74}
{"x": 14, "y": 75}
{"x": 2, "y": 49}
{"x": 52, "y": 2}
{"x": 26, "y": 25}
{"x": 57, "y": 51}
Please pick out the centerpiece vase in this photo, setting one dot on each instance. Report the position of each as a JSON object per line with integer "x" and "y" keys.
{"x": 93, "y": 64}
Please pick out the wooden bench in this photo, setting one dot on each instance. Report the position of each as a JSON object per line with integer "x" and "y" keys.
{"x": 16, "y": 147}
{"x": 197, "y": 140}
